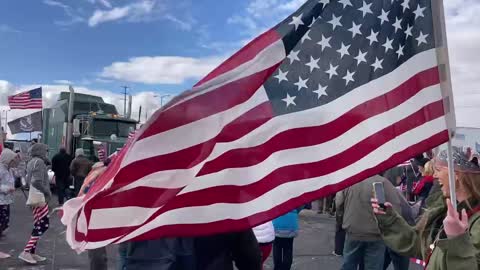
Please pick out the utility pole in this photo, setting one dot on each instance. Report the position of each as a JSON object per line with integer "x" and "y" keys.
{"x": 125, "y": 91}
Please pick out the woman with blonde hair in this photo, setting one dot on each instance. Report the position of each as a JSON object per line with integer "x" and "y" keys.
{"x": 443, "y": 238}
{"x": 425, "y": 184}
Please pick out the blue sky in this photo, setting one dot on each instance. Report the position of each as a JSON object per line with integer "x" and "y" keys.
{"x": 165, "y": 46}
{"x": 50, "y": 41}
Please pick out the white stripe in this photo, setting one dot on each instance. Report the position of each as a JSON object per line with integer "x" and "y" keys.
{"x": 331, "y": 111}
{"x": 245, "y": 176}
{"x": 277, "y": 196}
{"x": 268, "y": 57}
{"x": 323, "y": 115}
{"x": 180, "y": 138}
{"x": 191, "y": 134}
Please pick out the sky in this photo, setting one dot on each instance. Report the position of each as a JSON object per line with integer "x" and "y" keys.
{"x": 160, "y": 47}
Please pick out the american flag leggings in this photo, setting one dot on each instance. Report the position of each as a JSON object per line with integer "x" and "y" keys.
{"x": 40, "y": 226}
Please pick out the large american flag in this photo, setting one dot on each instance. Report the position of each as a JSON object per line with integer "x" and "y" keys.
{"x": 26, "y": 100}
{"x": 337, "y": 92}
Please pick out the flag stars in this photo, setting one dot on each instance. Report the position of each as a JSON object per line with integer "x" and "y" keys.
{"x": 332, "y": 71}
{"x": 422, "y": 38}
{"x": 373, "y": 37}
{"x": 355, "y": 29}
{"x": 400, "y": 51}
{"x": 313, "y": 64}
{"x": 398, "y": 24}
{"x": 282, "y": 76}
{"x": 324, "y": 2}
{"x": 384, "y": 17}
{"x": 290, "y": 100}
{"x": 306, "y": 36}
{"x": 335, "y": 21}
{"x": 361, "y": 57}
{"x": 297, "y": 21}
{"x": 365, "y": 9}
{"x": 343, "y": 50}
{"x": 406, "y": 5}
{"x": 408, "y": 32}
{"x": 388, "y": 45}
{"x": 377, "y": 64}
{"x": 345, "y": 3}
{"x": 314, "y": 20}
{"x": 293, "y": 56}
{"x": 321, "y": 91}
{"x": 325, "y": 42}
{"x": 349, "y": 77}
{"x": 301, "y": 83}
{"x": 419, "y": 12}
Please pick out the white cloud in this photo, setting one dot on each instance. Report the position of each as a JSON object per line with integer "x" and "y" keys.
{"x": 185, "y": 24}
{"x": 63, "y": 82}
{"x": 73, "y": 16}
{"x": 463, "y": 33}
{"x": 132, "y": 12}
{"x": 161, "y": 69}
{"x": 106, "y": 3}
{"x": 8, "y": 29}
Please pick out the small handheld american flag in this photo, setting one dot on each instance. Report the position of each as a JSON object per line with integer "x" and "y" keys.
{"x": 26, "y": 100}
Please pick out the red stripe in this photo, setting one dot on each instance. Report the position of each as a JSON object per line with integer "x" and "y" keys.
{"x": 244, "y": 55}
{"x": 230, "y": 225}
{"x": 26, "y": 101}
{"x": 189, "y": 157}
{"x": 237, "y": 158}
{"x": 235, "y": 194}
{"x": 208, "y": 104}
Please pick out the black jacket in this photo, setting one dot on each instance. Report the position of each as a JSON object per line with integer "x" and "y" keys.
{"x": 61, "y": 165}
{"x": 216, "y": 252}
{"x": 162, "y": 254}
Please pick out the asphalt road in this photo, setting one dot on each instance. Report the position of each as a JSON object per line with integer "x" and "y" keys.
{"x": 312, "y": 249}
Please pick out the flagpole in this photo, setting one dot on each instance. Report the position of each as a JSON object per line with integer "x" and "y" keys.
{"x": 446, "y": 87}
{"x": 451, "y": 174}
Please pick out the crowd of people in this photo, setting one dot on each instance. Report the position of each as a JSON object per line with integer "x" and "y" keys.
{"x": 417, "y": 222}
{"x": 33, "y": 177}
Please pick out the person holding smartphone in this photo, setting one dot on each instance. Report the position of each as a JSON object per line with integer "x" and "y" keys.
{"x": 443, "y": 238}
{"x": 363, "y": 240}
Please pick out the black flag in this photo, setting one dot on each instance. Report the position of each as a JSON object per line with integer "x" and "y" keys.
{"x": 29, "y": 123}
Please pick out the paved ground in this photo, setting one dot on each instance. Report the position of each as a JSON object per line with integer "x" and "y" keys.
{"x": 312, "y": 249}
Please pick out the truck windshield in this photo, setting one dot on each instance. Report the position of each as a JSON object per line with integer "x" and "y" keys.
{"x": 109, "y": 127}
{"x": 104, "y": 128}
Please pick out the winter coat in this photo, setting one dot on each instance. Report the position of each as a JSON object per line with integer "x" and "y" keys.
{"x": 161, "y": 254}
{"x": 217, "y": 252}
{"x": 286, "y": 226}
{"x": 61, "y": 165}
{"x": 423, "y": 187}
{"x": 7, "y": 181}
{"x": 264, "y": 233}
{"x": 358, "y": 219}
{"x": 37, "y": 174}
{"x": 459, "y": 253}
{"x": 80, "y": 166}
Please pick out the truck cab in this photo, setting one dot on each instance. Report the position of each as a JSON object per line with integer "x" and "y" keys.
{"x": 96, "y": 125}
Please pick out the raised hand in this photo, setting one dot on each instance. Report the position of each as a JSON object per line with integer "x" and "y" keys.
{"x": 453, "y": 224}
{"x": 377, "y": 209}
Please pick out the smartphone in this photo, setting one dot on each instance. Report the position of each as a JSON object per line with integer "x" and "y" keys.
{"x": 379, "y": 193}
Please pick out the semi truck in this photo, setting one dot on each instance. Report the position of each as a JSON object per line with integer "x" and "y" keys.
{"x": 87, "y": 122}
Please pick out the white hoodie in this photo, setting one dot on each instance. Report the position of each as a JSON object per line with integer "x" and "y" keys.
{"x": 264, "y": 233}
